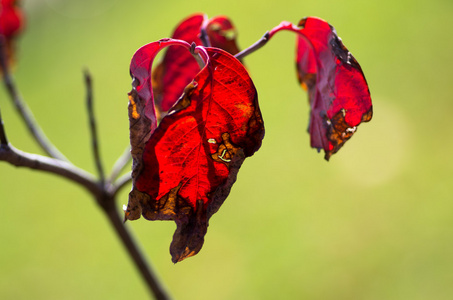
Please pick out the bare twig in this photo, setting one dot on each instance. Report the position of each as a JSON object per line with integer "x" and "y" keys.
{"x": 144, "y": 268}
{"x": 93, "y": 127}
{"x": 23, "y": 109}
{"x": 120, "y": 183}
{"x": 106, "y": 200}
{"x": 104, "y": 193}
{"x": 120, "y": 164}
{"x": 3, "y": 138}
{"x": 52, "y": 165}
{"x": 260, "y": 43}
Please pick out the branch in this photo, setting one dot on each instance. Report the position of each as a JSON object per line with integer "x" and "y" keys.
{"x": 120, "y": 164}
{"x": 3, "y": 138}
{"x": 93, "y": 127}
{"x": 107, "y": 203}
{"x": 106, "y": 200}
{"x": 284, "y": 25}
{"x": 57, "y": 164}
{"x": 23, "y": 109}
{"x": 260, "y": 43}
{"x": 120, "y": 183}
{"x": 144, "y": 268}
{"x": 65, "y": 169}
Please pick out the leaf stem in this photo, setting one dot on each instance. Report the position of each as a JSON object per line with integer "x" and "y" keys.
{"x": 284, "y": 25}
{"x": 93, "y": 127}
{"x": 204, "y": 33}
{"x": 196, "y": 55}
{"x": 24, "y": 111}
{"x": 202, "y": 53}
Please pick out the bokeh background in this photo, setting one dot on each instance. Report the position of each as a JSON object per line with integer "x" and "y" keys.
{"x": 376, "y": 222}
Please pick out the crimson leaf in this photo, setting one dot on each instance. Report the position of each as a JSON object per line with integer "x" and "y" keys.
{"x": 184, "y": 170}
{"x": 338, "y": 92}
{"x": 339, "y": 95}
{"x": 178, "y": 67}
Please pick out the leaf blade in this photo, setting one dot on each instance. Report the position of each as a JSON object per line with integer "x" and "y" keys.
{"x": 338, "y": 92}
{"x": 178, "y": 67}
{"x": 191, "y": 160}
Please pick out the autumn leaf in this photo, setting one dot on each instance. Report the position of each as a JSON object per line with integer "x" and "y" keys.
{"x": 178, "y": 67}
{"x": 338, "y": 92}
{"x": 184, "y": 169}
{"x": 11, "y": 24}
{"x": 222, "y": 34}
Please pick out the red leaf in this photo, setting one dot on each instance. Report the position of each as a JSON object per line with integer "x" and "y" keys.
{"x": 191, "y": 161}
{"x": 338, "y": 92}
{"x": 142, "y": 114}
{"x": 178, "y": 67}
{"x": 11, "y": 23}
{"x": 222, "y": 34}
{"x": 337, "y": 88}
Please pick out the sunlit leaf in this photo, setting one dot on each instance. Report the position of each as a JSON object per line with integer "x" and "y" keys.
{"x": 191, "y": 160}
{"x": 178, "y": 67}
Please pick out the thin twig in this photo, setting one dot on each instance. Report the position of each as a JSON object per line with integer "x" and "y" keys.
{"x": 106, "y": 200}
{"x": 144, "y": 268}
{"x": 260, "y": 43}
{"x": 57, "y": 164}
{"x": 19, "y": 158}
{"x": 120, "y": 164}
{"x": 93, "y": 127}
{"x": 23, "y": 109}
{"x": 3, "y": 138}
{"x": 107, "y": 203}
{"x": 120, "y": 183}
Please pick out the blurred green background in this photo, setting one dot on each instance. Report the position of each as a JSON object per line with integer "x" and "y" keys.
{"x": 376, "y": 222}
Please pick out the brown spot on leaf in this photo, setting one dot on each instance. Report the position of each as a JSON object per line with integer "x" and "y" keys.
{"x": 368, "y": 115}
{"x": 184, "y": 101}
{"x": 226, "y": 150}
{"x": 307, "y": 81}
{"x": 133, "y": 107}
{"x": 338, "y": 132}
{"x": 191, "y": 222}
{"x": 341, "y": 52}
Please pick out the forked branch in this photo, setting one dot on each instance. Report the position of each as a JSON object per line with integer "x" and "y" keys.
{"x": 23, "y": 110}
{"x": 103, "y": 192}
